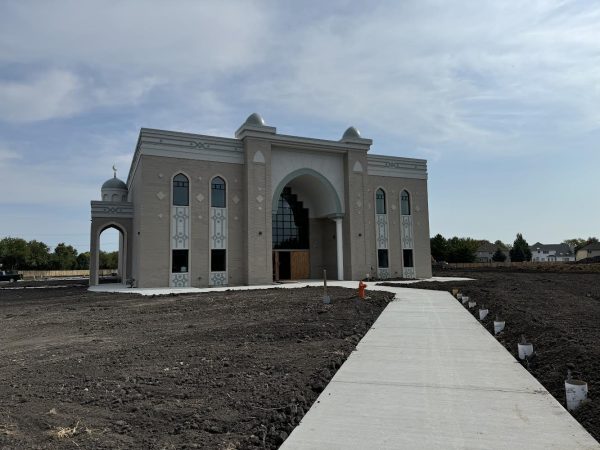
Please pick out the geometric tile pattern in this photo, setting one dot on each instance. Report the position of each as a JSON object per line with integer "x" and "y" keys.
{"x": 180, "y": 227}
{"x": 218, "y": 279}
{"x": 180, "y": 279}
{"x": 383, "y": 274}
{"x": 218, "y": 228}
{"x": 407, "y": 232}
{"x": 409, "y": 273}
{"x": 381, "y": 222}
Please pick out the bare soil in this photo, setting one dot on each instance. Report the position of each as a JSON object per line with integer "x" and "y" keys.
{"x": 558, "y": 312}
{"x": 221, "y": 370}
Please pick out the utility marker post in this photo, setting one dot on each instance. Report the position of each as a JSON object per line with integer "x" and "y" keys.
{"x": 326, "y": 298}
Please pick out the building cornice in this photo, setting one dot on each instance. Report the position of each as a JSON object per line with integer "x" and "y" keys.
{"x": 394, "y": 166}
{"x": 175, "y": 144}
{"x": 123, "y": 210}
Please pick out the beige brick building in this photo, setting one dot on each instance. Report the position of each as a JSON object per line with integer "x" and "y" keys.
{"x": 210, "y": 211}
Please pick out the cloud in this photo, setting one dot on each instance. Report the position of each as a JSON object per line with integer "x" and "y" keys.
{"x": 488, "y": 76}
{"x": 57, "y": 94}
{"x": 190, "y": 38}
{"x": 53, "y": 94}
{"x": 6, "y": 154}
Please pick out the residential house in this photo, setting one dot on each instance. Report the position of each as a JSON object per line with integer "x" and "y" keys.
{"x": 589, "y": 251}
{"x": 551, "y": 252}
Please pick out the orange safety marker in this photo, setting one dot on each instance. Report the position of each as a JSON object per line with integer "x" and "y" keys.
{"x": 361, "y": 289}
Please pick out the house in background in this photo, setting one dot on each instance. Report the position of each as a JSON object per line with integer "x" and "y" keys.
{"x": 485, "y": 252}
{"x": 551, "y": 252}
{"x": 589, "y": 251}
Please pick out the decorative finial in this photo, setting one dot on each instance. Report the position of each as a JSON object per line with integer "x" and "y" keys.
{"x": 115, "y": 171}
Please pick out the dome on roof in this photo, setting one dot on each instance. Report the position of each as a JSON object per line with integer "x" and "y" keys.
{"x": 255, "y": 119}
{"x": 114, "y": 183}
{"x": 351, "y": 133}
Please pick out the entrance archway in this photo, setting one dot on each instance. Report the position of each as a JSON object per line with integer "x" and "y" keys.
{"x": 99, "y": 226}
{"x": 306, "y": 227}
{"x": 111, "y": 252}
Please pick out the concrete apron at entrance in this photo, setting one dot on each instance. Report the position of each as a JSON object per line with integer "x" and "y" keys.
{"x": 429, "y": 376}
{"x": 426, "y": 376}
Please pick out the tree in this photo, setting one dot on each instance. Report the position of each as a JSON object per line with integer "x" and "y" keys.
{"x": 109, "y": 260}
{"x": 462, "y": 250}
{"x": 578, "y": 243}
{"x": 520, "y": 251}
{"x": 64, "y": 257}
{"x": 38, "y": 255}
{"x": 13, "y": 253}
{"x": 499, "y": 255}
{"x": 83, "y": 261}
{"x": 575, "y": 243}
{"x": 500, "y": 244}
{"x": 439, "y": 247}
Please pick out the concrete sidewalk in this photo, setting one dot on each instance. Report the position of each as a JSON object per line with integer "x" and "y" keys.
{"x": 429, "y": 376}
{"x": 119, "y": 288}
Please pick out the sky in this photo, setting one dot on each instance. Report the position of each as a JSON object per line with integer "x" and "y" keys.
{"x": 501, "y": 98}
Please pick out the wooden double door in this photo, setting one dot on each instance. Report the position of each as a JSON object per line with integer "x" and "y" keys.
{"x": 291, "y": 265}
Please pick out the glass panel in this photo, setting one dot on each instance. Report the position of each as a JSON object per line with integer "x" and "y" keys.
{"x": 217, "y": 193}
{"x": 218, "y": 261}
{"x": 382, "y": 258}
{"x": 290, "y": 223}
{"x": 405, "y": 203}
{"x": 180, "y": 261}
{"x": 181, "y": 190}
{"x": 380, "y": 201}
{"x": 408, "y": 258}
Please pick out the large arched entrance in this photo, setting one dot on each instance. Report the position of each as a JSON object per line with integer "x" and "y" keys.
{"x": 98, "y": 258}
{"x": 306, "y": 228}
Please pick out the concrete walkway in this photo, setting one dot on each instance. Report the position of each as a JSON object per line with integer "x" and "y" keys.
{"x": 123, "y": 289}
{"x": 429, "y": 376}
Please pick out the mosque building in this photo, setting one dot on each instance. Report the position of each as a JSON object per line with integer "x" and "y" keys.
{"x": 200, "y": 211}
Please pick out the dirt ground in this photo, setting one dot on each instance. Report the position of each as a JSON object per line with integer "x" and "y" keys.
{"x": 558, "y": 312}
{"x": 223, "y": 370}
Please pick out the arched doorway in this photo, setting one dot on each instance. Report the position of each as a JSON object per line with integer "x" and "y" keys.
{"x": 111, "y": 253}
{"x": 109, "y": 238}
{"x": 306, "y": 228}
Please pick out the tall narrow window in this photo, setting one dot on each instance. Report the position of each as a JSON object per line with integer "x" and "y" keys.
{"x": 179, "y": 262}
{"x": 218, "y": 261}
{"x": 405, "y": 203}
{"x": 217, "y": 193}
{"x": 408, "y": 258}
{"x": 181, "y": 190}
{"x": 380, "y": 202}
{"x": 382, "y": 258}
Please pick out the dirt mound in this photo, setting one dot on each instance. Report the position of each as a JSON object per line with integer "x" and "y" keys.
{"x": 223, "y": 370}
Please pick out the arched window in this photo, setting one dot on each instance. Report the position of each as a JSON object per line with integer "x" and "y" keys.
{"x": 217, "y": 193}
{"x": 290, "y": 223}
{"x": 405, "y": 203}
{"x": 181, "y": 190}
{"x": 380, "y": 201}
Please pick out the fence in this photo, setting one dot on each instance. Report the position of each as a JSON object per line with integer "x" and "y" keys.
{"x": 35, "y": 274}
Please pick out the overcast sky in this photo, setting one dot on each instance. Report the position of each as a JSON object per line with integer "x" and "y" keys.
{"x": 501, "y": 97}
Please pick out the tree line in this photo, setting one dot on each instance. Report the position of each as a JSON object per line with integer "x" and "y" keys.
{"x": 464, "y": 249}
{"x": 19, "y": 254}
